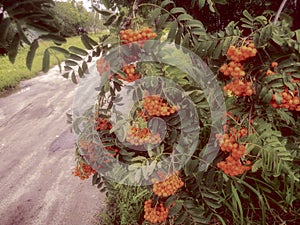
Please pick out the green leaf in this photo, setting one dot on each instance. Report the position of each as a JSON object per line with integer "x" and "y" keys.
{"x": 68, "y": 68}
{"x": 265, "y": 35}
{"x": 86, "y": 44}
{"x": 212, "y": 204}
{"x": 13, "y": 50}
{"x": 218, "y": 50}
{"x": 166, "y": 2}
{"x": 201, "y": 3}
{"x": 172, "y": 32}
{"x": 70, "y": 63}
{"x": 194, "y": 23}
{"x": 65, "y": 52}
{"x": 221, "y": 2}
{"x": 78, "y": 51}
{"x": 89, "y": 39}
{"x": 22, "y": 34}
{"x": 267, "y": 98}
{"x": 103, "y": 12}
{"x": 247, "y": 26}
{"x": 181, "y": 218}
{"x": 162, "y": 20}
{"x": 178, "y": 36}
{"x": 186, "y": 41}
{"x": 94, "y": 179}
{"x": 46, "y": 61}
{"x": 55, "y": 38}
{"x": 247, "y": 15}
{"x": 154, "y": 14}
{"x": 66, "y": 75}
{"x": 211, "y": 5}
{"x": 80, "y": 72}
{"x": 297, "y": 32}
{"x": 184, "y": 16}
{"x": 236, "y": 198}
{"x": 84, "y": 67}
{"x": 257, "y": 165}
{"x": 75, "y": 57}
{"x": 73, "y": 78}
{"x": 175, "y": 209}
{"x": 5, "y": 24}
{"x": 43, "y": 26}
{"x": 177, "y": 10}
{"x": 110, "y": 20}
{"x": 262, "y": 20}
{"x": 31, "y": 53}
{"x": 169, "y": 202}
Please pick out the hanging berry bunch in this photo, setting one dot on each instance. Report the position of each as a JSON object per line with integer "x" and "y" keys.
{"x": 129, "y": 36}
{"x": 83, "y": 170}
{"x": 156, "y": 214}
{"x": 239, "y": 86}
{"x": 130, "y": 72}
{"x": 168, "y": 187}
{"x": 290, "y": 100}
{"x": 155, "y": 106}
{"x": 139, "y": 136}
{"x": 102, "y": 65}
{"x": 229, "y": 143}
{"x": 102, "y": 124}
{"x": 238, "y": 54}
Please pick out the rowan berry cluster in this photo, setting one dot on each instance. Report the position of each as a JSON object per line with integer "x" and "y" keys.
{"x": 233, "y": 167}
{"x": 114, "y": 150}
{"x": 239, "y": 54}
{"x": 239, "y": 87}
{"x": 234, "y": 69}
{"x": 129, "y": 36}
{"x": 156, "y": 214}
{"x": 155, "y": 106}
{"x": 228, "y": 143}
{"x": 270, "y": 71}
{"x": 102, "y": 65}
{"x": 83, "y": 171}
{"x": 289, "y": 100}
{"x": 168, "y": 187}
{"x": 139, "y": 136}
{"x": 102, "y": 124}
{"x": 131, "y": 74}
{"x": 295, "y": 80}
{"x": 84, "y": 145}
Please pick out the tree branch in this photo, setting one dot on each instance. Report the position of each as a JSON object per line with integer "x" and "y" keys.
{"x": 279, "y": 11}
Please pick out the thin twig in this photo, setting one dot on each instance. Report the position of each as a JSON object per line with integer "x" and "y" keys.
{"x": 279, "y": 11}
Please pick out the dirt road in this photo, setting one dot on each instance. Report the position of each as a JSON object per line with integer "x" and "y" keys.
{"x": 37, "y": 158}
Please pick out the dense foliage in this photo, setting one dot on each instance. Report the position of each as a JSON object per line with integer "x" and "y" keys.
{"x": 255, "y": 177}
{"x": 74, "y": 18}
{"x": 24, "y": 23}
{"x": 252, "y": 174}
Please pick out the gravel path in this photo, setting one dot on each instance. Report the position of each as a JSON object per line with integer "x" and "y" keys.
{"x": 37, "y": 157}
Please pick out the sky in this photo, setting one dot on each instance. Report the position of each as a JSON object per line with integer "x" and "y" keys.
{"x": 87, "y": 3}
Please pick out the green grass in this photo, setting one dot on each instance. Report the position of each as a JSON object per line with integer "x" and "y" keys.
{"x": 12, "y": 74}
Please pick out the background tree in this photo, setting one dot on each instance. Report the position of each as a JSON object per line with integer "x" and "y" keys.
{"x": 71, "y": 16}
{"x": 25, "y": 22}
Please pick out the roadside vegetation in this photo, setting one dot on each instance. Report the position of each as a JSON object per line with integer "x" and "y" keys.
{"x": 12, "y": 74}
{"x": 68, "y": 19}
